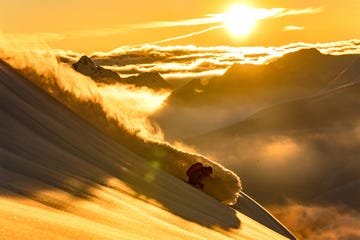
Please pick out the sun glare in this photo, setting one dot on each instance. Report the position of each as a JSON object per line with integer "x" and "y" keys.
{"x": 239, "y": 20}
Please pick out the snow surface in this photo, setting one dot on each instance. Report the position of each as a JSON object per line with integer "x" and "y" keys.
{"x": 115, "y": 113}
{"x": 61, "y": 178}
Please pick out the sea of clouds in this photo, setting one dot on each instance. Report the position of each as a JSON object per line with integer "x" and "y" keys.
{"x": 184, "y": 63}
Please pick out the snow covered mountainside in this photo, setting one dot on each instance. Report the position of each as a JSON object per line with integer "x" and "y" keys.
{"x": 62, "y": 178}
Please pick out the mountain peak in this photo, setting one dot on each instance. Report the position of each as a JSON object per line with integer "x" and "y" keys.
{"x": 302, "y": 55}
{"x": 85, "y": 64}
{"x": 152, "y": 75}
{"x": 86, "y": 60}
{"x": 149, "y": 79}
{"x": 87, "y": 67}
{"x": 237, "y": 69}
{"x": 308, "y": 51}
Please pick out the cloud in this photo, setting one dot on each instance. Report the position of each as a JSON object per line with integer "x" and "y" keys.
{"x": 222, "y": 18}
{"x": 170, "y": 60}
{"x": 307, "y": 165}
{"x": 351, "y": 46}
{"x": 257, "y": 13}
{"x": 177, "y": 59}
{"x": 186, "y": 22}
{"x": 32, "y": 40}
{"x": 192, "y": 75}
{"x": 293, "y": 28}
{"x": 187, "y": 35}
{"x": 189, "y": 61}
{"x": 317, "y": 168}
{"x": 319, "y": 222}
{"x": 253, "y": 13}
{"x": 131, "y": 106}
{"x": 291, "y": 12}
{"x": 196, "y": 66}
{"x": 104, "y": 32}
{"x": 217, "y": 19}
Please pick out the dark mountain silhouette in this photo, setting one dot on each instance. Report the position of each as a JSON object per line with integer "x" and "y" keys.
{"x": 293, "y": 75}
{"x": 246, "y": 88}
{"x": 150, "y": 80}
{"x": 336, "y": 108}
{"x": 101, "y": 75}
{"x": 87, "y": 67}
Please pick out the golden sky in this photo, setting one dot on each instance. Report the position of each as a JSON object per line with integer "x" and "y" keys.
{"x": 87, "y": 26}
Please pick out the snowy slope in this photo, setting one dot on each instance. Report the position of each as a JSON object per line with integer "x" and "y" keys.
{"x": 61, "y": 178}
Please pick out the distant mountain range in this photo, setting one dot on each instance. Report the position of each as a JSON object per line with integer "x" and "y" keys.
{"x": 293, "y": 75}
{"x": 307, "y": 148}
{"x": 335, "y": 108}
{"x": 244, "y": 89}
{"x": 102, "y": 75}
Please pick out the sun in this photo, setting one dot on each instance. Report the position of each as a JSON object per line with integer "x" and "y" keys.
{"x": 240, "y": 20}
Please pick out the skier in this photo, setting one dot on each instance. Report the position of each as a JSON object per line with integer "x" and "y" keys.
{"x": 196, "y": 173}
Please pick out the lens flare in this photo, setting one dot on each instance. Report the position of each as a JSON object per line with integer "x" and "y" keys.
{"x": 241, "y": 20}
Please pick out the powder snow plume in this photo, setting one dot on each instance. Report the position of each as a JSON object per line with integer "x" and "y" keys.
{"x": 117, "y": 110}
{"x": 130, "y": 106}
